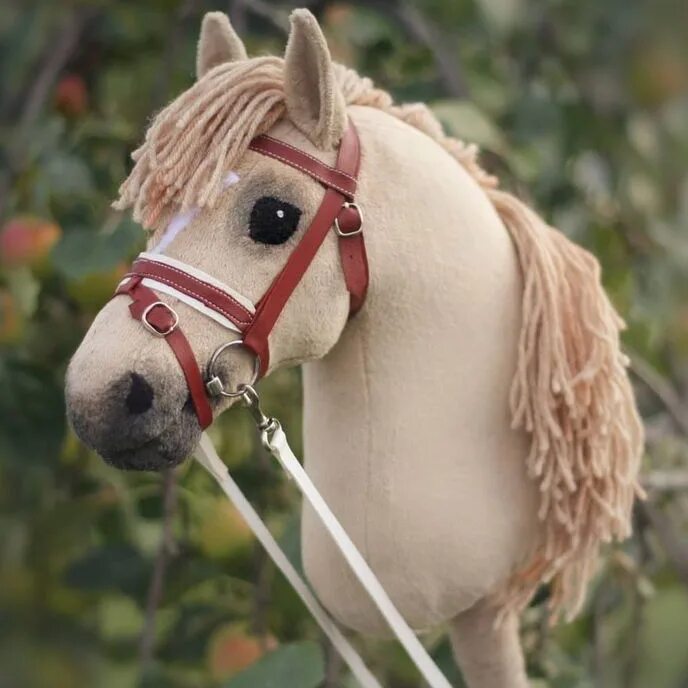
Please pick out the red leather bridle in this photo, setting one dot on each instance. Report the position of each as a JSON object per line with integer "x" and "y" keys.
{"x": 337, "y": 209}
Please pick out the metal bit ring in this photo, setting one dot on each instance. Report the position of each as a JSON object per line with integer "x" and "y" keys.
{"x": 215, "y": 386}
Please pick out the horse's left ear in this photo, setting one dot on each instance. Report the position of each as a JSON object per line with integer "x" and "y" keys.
{"x": 314, "y": 101}
{"x": 219, "y": 43}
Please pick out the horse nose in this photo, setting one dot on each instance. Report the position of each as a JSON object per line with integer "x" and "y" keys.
{"x": 140, "y": 396}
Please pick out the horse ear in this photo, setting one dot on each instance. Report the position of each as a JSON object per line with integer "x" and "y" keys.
{"x": 218, "y": 43}
{"x": 314, "y": 101}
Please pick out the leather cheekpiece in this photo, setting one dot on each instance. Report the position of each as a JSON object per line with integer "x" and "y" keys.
{"x": 146, "y": 304}
{"x": 341, "y": 188}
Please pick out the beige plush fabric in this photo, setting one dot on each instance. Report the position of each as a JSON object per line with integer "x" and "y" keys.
{"x": 407, "y": 428}
{"x": 314, "y": 101}
{"x": 473, "y": 426}
{"x": 218, "y": 43}
{"x": 489, "y": 653}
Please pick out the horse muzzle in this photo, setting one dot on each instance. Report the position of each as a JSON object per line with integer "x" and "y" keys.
{"x": 142, "y": 419}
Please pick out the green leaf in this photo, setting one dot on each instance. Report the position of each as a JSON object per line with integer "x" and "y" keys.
{"x": 32, "y": 413}
{"x": 80, "y": 252}
{"x": 366, "y": 28}
{"x": 119, "y": 618}
{"x": 290, "y": 542}
{"x": 299, "y": 665}
{"x": 25, "y": 288}
{"x": 465, "y": 121}
{"x": 112, "y": 567}
{"x": 444, "y": 658}
{"x": 67, "y": 175}
{"x": 662, "y": 653}
{"x": 502, "y": 16}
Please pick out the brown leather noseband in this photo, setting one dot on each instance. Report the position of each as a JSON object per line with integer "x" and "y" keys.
{"x": 337, "y": 209}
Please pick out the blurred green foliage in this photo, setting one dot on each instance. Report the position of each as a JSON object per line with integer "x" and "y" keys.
{"x": 581, "y": 106}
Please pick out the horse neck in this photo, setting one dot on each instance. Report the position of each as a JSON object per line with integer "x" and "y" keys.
{"x": 439, "y": 327}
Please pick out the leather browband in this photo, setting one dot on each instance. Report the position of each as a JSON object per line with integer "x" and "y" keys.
{"x": 336, "y": 209}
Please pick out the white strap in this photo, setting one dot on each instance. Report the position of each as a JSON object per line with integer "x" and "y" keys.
{"x": 208, "y": 458}
{"x": 190, "y": 301}
{"x": 201, "y": 275}
{"x": 280, "y": 448}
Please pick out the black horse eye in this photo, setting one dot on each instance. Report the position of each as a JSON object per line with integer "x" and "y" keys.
{"x": 273, "y": 221}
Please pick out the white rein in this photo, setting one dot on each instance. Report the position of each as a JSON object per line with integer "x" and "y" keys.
{"x": 275, "y": 441}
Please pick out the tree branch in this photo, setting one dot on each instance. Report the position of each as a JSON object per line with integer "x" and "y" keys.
{"x": 157, "y": 583}
{"x": 172, "y": 54}
{"x": 662, "y": 389}
{"x": 237, "y": 15}
{"x": 333, "y": 665}
{"x": 57, "y": 54}
{"x": 431, "y": 37}
{"x": 405, "y": 14}
{"x": 273, "y": 15}
{"x": 417, "y": 26}
{"x": 261, "y": 594}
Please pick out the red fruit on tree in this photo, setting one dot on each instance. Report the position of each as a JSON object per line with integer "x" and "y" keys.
{"x": 71, "y": 96}
{"x": 232, "y": 650}
{"x": 26, "y": 241}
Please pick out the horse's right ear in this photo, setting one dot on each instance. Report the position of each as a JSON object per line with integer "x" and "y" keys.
{"x": 314, "y": 100}
{"x": 218, "y": 43}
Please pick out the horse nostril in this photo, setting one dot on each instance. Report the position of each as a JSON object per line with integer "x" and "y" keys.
{"x": 140, "y": 397}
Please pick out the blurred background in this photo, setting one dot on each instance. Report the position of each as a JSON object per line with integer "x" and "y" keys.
{"x": 117, "y": 580}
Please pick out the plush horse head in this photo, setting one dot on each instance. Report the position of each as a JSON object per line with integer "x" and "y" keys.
{"x": 472, "y": 425}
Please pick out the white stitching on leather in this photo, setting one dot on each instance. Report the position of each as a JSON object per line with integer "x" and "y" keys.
{"x": 198, "y": 297}
{"x": 326, "y": 182}
{"x": 314, "y": 159}
{"x": 216, "y": 316}
{"x": 199, "y": 275}
{"x": 310, "y": 173}
{"x": 208, "y": 303}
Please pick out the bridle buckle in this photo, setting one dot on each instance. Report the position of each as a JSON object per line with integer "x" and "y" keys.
{"x": 151, "y": 327}
{"x": 350, "y": 206}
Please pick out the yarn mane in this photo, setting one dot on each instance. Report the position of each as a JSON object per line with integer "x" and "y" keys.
{"x": 200, "y": 136}
{"x": 570, "y": 392}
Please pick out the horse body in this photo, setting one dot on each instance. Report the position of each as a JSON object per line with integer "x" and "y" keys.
{"x": 406, "y": 420}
